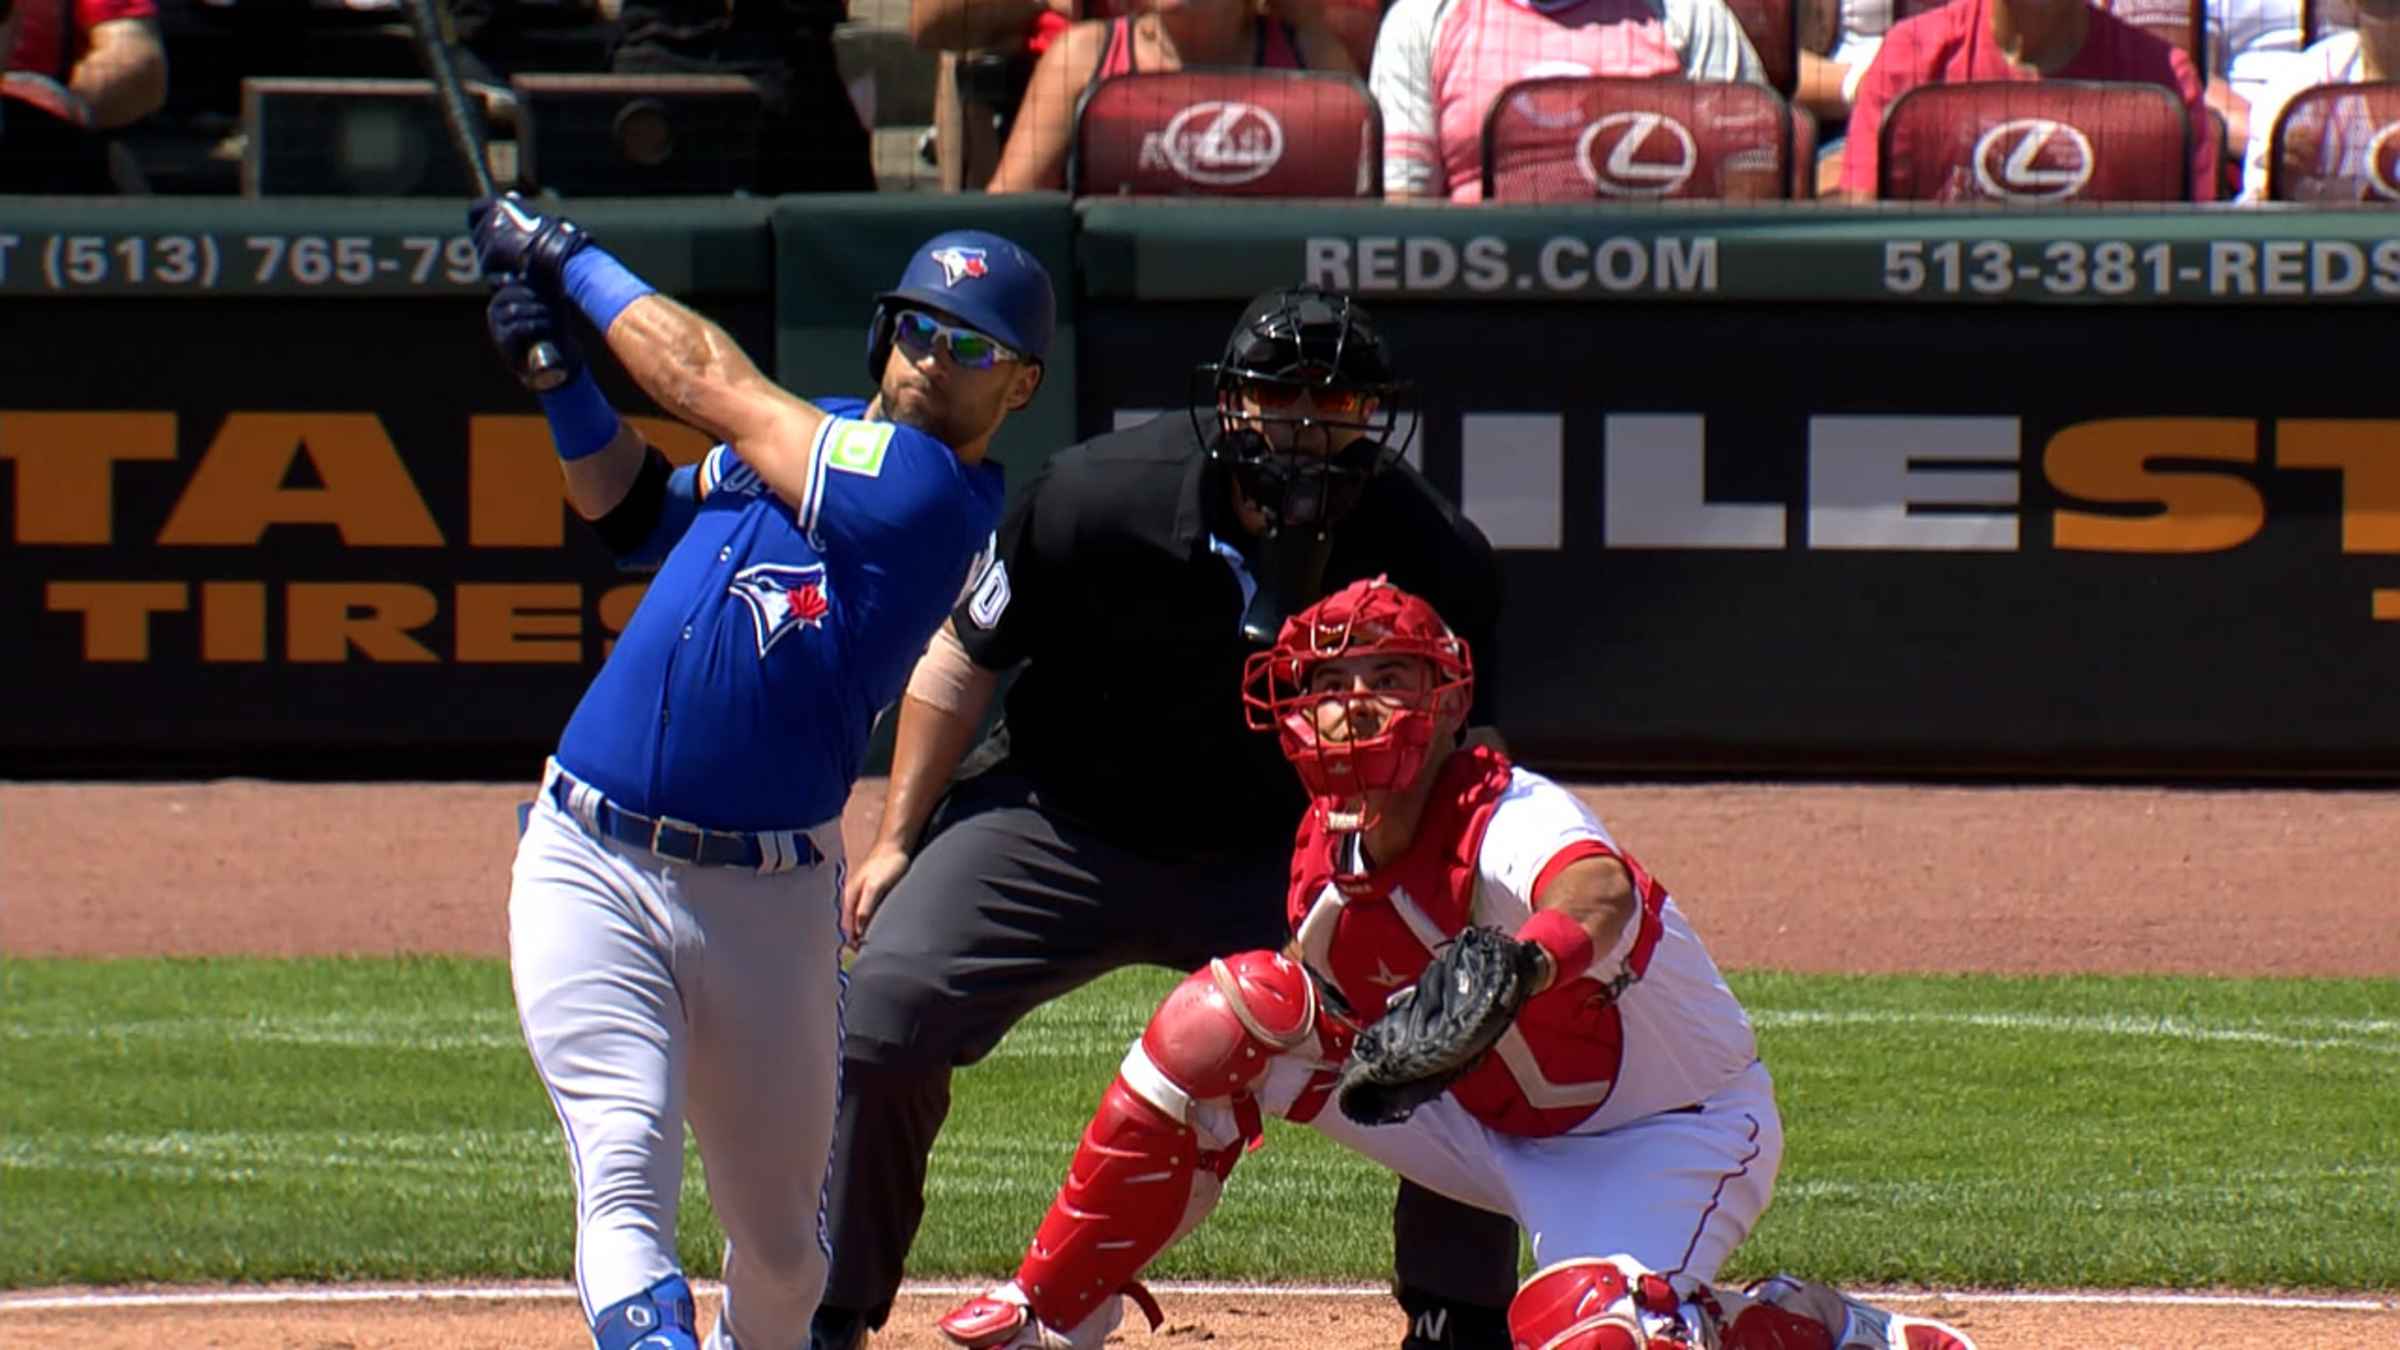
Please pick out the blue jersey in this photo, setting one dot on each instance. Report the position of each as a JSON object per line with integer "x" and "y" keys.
{"x": 741, "y": 695}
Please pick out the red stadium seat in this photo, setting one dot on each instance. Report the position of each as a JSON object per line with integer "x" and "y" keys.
{"x": 2338, "y": 143}
{"x": 1774, "y": 31}
{"x": 2035, "y": 143}
{"x": 1577, "y": 137}
{"x": 2179, "y": 23}
{"x": 1228, "y": 133}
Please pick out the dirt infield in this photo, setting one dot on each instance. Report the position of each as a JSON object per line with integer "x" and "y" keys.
{"x": 1821, "y": 878}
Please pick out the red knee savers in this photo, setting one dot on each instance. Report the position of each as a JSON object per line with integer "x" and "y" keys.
{"x": 1583, "y": 1304}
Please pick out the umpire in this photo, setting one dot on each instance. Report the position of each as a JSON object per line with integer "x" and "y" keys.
{"x": 1120, "y": 815}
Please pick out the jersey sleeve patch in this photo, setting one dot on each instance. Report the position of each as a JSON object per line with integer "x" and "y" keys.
{"x": 858, "y": 447}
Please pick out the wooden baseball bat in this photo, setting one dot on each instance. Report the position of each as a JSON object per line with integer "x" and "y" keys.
{"x": 430, "y": 25}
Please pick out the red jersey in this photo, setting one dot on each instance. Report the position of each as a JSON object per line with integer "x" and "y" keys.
{"x": 1650, "y": 1027}
{"x": 43, "y": 45}
{"x": 1954, "y": 44}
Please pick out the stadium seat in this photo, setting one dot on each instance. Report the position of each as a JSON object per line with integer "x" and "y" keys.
{"x": 1774, "y": 32}
{"x": 638, "y": 135}
{"x": 2179, "y": 23}
{"x": 2338, "y": 143}
{"x": 2035, "y": 143}
{"x": 1579, "y": 137}
{"x": 371, "y": 138}
{"x": 42, "y": 152}
{"x": 1238, "y": 133}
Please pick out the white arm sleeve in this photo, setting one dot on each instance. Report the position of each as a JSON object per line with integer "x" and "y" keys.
{"x": 1402, "y": 82}
{"x": 1711, "y": 44}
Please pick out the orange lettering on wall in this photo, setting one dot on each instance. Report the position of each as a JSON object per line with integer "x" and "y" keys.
{"x": 233, "y": 621}
{"x": 116, "y": 614}
{"x": 520, "y": 623}
{"x": 238, "y": 489}
{"x": 2368, "y": 455}
{"x": 66, "y": 465}
{"x": 327, "y": 618}
{"x": 2194, "y": 510}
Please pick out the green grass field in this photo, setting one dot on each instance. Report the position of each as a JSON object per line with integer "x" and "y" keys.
{"x": 254, "y": 1120}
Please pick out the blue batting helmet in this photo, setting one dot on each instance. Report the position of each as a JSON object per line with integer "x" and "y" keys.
{"x": 978, "y": 279}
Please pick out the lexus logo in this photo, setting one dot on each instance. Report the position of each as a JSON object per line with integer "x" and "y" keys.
{"x": 1217, "y": 143}
{"x": 2383, "y": 162}
{"x": 1636, "y": 154}
{"x": 2032, "y": 159}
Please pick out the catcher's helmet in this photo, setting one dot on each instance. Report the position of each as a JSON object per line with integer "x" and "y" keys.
{"x": 1320, "y": 343}
{"x": 1347, "y": 741}
{"x": 976, "y": 278}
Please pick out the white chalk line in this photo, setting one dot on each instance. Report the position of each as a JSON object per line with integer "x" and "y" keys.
{"x": 227, "y": 1298}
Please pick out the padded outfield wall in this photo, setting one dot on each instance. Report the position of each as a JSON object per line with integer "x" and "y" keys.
{"x": 1793, "y": 490}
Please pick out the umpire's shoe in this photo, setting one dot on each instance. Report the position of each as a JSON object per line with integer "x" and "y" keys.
{"x": 1441, "y": 1324}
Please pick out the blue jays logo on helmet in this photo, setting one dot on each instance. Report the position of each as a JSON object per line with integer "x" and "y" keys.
{"x": 960, "y": 264}
{"x": 782, "y": 597}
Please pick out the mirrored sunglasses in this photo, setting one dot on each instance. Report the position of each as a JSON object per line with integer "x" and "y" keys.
{"x": 917, "y": 331}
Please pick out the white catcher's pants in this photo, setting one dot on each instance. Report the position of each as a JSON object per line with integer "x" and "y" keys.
{"x": 648, "y": 989}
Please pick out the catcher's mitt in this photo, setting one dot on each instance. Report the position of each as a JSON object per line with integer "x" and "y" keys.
{"x": 1436, "y": 1029}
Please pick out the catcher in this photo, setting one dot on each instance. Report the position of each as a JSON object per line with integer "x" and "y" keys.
{"x": 1483, "y": 993}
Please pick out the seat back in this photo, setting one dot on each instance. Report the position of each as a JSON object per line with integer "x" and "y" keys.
{"x": 370, "y": 138}
{"x": 2338, "y": 143}
{"x": 2035, "y": 143}
{"x": 1580, "y": 137}
{"x": 1227, "y": 132}
{"x": 636, "y": 135}
{"x": 1773, "y": 28}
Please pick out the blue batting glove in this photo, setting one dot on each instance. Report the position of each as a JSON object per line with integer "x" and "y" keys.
{"x": 515, "y": 241}
{"x": 518, "y": 318}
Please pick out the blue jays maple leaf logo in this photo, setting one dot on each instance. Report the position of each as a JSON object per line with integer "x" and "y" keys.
{"x": 782, "y": 597}
{"x": 958, "y": 264}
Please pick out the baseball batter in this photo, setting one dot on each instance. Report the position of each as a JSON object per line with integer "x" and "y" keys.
{"x": 1623, "y": 1116}
{"x": 673, "y": 938}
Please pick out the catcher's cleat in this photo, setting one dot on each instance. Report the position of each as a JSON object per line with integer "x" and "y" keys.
{"x": 1858, "y": 1325}
{"x": 1001, "y": 1319}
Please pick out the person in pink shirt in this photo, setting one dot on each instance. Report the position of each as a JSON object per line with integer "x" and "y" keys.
{"x": 105, "y": 53}
{"x": 1440, "y": 64}
{"x": 2021, "y": 40}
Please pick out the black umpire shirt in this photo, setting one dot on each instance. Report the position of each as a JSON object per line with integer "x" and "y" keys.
{"x": 1128, "y": 716}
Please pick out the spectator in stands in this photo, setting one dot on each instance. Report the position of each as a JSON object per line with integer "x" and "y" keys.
{"x": 1291, "y": 35}
{"x": 2020, "y": 40}
{"x": 1838, "y": 39}
{"x": 105, "y": 53}
{"x": 2371, "y": 52}
{"x": 813, "y": 140}
{"x": 988, "y": 49}
{"x": 1440, "y": 63}
{"x": 2251, "y": 44}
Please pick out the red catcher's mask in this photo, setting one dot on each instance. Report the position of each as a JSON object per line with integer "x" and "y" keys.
{"x": 1364, "y": 619}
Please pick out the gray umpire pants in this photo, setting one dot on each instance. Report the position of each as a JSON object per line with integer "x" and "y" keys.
{"x": 1007, "y": 907}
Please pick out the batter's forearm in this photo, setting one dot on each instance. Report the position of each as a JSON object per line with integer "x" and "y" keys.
{"x": 689, "y": 365}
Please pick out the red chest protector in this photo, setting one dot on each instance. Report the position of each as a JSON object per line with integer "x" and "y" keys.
{"x": 1375, "y": 937}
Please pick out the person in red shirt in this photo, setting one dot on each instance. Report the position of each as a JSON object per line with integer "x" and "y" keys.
{"x": 2020, "y": 40}
{"x": 106, "y": 53}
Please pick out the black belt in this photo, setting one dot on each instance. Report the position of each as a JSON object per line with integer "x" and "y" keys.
{"x": 678, "y": 840}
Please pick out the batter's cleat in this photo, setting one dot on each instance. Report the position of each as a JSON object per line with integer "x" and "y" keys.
{"x": 837, "y": 1329}
{"x": 660, "y": 1317}
{"x": 1001, "y": 1319}
{"x": 1858, "y": 1325}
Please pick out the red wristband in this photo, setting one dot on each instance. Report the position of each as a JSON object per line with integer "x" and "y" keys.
{"x": 1569, "y": 946}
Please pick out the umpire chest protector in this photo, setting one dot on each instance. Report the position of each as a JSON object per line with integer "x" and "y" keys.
{"x": 1371, "y": 938}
